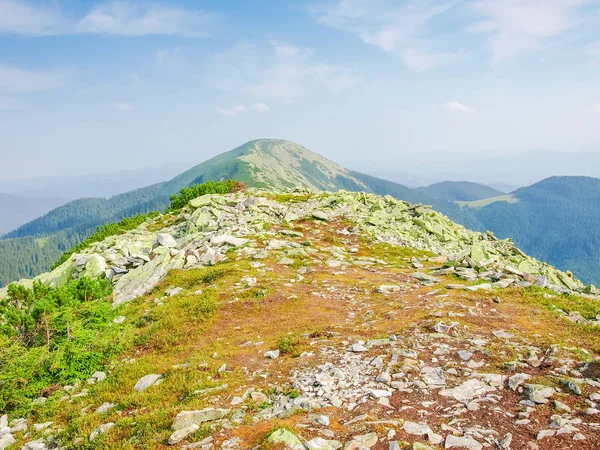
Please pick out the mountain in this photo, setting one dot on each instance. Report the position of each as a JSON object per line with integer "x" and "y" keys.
{"x": 264, "y": 163}
{"x": 460, "y": 191}
{"x": 299, "y": 320}
{"x": 16, "y": 210}
{"x": 557, "y": 220}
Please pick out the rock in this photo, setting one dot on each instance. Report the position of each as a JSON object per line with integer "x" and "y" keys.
{"x": 462, "y": 442}
{"x": 323, "y": 444}
{"x": 6, "y": 440}
{"x": 172, "y": 292}
{"x": 272, "y": 354}
{"x": 424, "y": 278}
{"x": 517, "y": 379}
{"x": 99, "y": 376}
{"x": 166, "y": 240}
{"x": 419, "y": 429}
{"x": 38, "y": 444}
{"x": 146, "y": 381}
{"x": 468, "y": 390}
{"x": 101, "y": 430}
{"x": 181, "y": 434}
{"x": 538, "y": 393}
{"x": 433, "y": 376}
{"x": 545, "y": 433}
{"x": 96, "y": 266}
{"x": 287, "y": 438}
{"x": 362, "y": 441}
{"x": 141, "y": 280}
{"x": 285, "y": 261}
{"x": 187, "y": 418}
{"x": 19, "y": 425}
{"x": 227, "y": 239}
{"x": 321, "y": 419}
{"x": 358, "y": 348}
{"x": 104, "y": 408}
{"x": 387, "y": 288}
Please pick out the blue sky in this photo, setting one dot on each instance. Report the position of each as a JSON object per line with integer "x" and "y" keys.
{"x": 93, "y": 86}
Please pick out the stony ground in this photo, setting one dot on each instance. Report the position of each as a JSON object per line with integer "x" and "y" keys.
{"x": 324, "y": 338}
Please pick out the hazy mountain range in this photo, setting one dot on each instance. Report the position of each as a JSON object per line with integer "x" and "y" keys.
{"x": 544, "y": 219}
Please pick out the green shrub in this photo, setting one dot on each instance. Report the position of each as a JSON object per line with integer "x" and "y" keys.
{"x": 209, "y": 187}
{"x": 53, "y": 335}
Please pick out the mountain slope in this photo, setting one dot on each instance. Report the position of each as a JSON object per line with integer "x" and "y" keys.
{"x": 295, "y": 320}
{"x": 557, "y": 220}
{"x": 459, "y": 191}
{"x": 16, "y": 210}
{"x": 261, "y": 163}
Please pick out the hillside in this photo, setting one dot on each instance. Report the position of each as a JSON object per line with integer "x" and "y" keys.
{"x": 15, "y": 210}
{"x": 556, "y": 220}
{"x": 271, "y": 163}
{"x": 300, "y": 320}
{"x": 460, "y": 191}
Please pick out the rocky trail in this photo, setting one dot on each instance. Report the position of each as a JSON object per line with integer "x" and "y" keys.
{"x": 343, "y": 321}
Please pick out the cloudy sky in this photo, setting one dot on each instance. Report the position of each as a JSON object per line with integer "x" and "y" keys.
{"x": 388, "y": 85}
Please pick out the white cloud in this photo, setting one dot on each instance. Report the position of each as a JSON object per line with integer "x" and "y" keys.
{"x": 518, "y": 25}
{"x": 395, "y": 27}
{"x": 281, "y": 72}
{"x": 13, "y": 79}
{"x": 261, "y": 107}
{"x": 124, "y": 107}
{"x": 239, "y": 109}
{"x": 233, "y": 111}
{"x": 23, "y": 18}
{"x": 132, "y": 19}
{"x": 124, "y": 18}
{"x": 596, "y": 108}
{"x": 454, "y": 107}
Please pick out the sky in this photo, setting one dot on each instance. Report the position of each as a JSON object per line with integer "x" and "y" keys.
{"x": 393, "y": 86}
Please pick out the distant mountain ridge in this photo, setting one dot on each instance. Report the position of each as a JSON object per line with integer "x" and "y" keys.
{"x": 554, "y": 220}
{"x": 557, "y": 220}
{"x": 263, "y": 163}
{"x": 460, "y": 191}
{"x": 16, "y": 210}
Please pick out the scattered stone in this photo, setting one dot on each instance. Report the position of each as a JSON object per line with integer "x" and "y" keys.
{"x": 146, "y": 381}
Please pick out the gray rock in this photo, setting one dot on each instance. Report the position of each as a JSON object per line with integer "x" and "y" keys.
{"x": 6, "y": 440}
{"x": 272, "y": 354}
{"x": 181, "y": 434}
{"x": 465, "y": 442}
{"x": 146, "y": 381}
{"x": 166, "y": 240}
{"x": 286, "y": 438}
{"x": 187, "y": 418}
{"x": 104, "y": 408}
{"x": 101, "y": 430}
{"x": 323, "y": 444}
{"x": 433, "y": 376}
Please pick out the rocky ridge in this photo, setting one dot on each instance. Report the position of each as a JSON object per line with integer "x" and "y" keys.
{"x": 137, "y": 260}
{"x": 424, "y": 351}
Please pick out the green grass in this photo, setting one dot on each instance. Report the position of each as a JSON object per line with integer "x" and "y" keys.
{"x": 508, "y": 198}
{"x": 568, "y": 303}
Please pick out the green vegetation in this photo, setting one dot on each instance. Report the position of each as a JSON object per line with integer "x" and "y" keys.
{"x": 104, "y": 231}
{"x": 508, "y": 198}
{"x": 555, "y": 220}
{"x": 186, "y": 194}
{"x": 53, "y": 336}
{"x": 459, "y": 191}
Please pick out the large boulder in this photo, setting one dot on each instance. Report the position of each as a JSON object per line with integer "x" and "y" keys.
{"x": 142, "y": 279}
{"x": 95, "y": 267}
